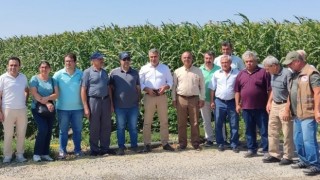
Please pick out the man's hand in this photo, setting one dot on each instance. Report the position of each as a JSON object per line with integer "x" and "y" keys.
{"x": 150, "y": 91}
{"x": 212, "y": 105}
{"x": 174, "y": 104}
{"x": 1, "y": 117}
{"x": 286, "y": 115}
{"x": 238, "y": 108}
{"x": 201, "y": 103}
{"x": 86, "y": 112}
{"x": 268, "y": 107}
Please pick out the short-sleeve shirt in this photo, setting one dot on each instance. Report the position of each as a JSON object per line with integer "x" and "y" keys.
{"x": 223, "y": 84}
{"x": 44, "y": 88}
{"x": 69, "y": 89}
{"x": 96, "y": 82}
{"x": 280, "y": 85}
{"x": 253, "y": 88}
{"x": 207, "y": 78}
{"x": 13, "y": 91}
{"x": 237, "y": 63}
{"x": 125, "y": 93}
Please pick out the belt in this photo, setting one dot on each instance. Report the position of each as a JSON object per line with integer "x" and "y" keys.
{"x": 280, "y": 102}
{"x": 98, "y": 97}
{"x": 188, "y": 96}
{"x": 225, "y": 100}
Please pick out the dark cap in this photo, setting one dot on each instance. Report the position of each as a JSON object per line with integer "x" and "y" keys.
{"x": 96, "y": 55}
{"x": 124, "y": 55}
{"x": 291, "y": 56}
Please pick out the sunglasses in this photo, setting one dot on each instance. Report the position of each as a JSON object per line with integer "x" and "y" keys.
{"x": 126, "y": 59}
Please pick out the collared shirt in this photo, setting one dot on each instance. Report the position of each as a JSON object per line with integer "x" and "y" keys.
{"x": 125, "y": 93}
{"x": 280, "y": 85}
{"x": 69, "y": 89}
{"x": 188, "y": 82}
{"x": 223, "y": 84}
{"x": 155, "y": 77}
{"x": 96, "y": 82}
{"x": 207, "y": 78}
{"x": 13, "y": 91}
{"x": 253, "y": 88}
{"x": 236, "y": 62}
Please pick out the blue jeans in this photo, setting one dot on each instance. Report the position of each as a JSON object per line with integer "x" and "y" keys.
{"x": 129, "y": 117}
{"x": 252, "y": 119}
{"x": 305, "y": 140}
{"x": 223, "y": 110}
{"x": 74, "y": 118}
{"x": 44, "y": 125}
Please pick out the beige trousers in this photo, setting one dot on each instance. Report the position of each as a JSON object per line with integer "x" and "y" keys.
{"x": 14, "y": 118}
{"x": 154, "y": 104}
{"x": 276, "y": 124}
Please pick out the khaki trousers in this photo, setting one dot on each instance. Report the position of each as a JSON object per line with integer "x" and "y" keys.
{"x": 18, "y": 118}
{"x": 188, "y": 107}
{"x": 154, "y": 104}
{"x": 274, "y": 127}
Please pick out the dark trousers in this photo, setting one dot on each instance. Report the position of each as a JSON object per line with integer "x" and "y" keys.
{"x": 252, "y": 119}
{"x": 44, "y": 125}
{"x": 100, "y": 124}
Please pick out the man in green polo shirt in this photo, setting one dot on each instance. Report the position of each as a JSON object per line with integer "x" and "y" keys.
{"x": 208, "y": 68}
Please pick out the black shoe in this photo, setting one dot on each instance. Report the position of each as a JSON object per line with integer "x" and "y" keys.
{"x": 197, "y": 148}
{"x": 208, "y": 144}
{"x": 135, "y": 149}
{"x": 111, "y": 152}
{"x": 235, "y": 149}
{"x": 147, "y": 148}
{"x": 167, "y": 147}
{"x": 311, "y": 171}
{"x": 270, "y": 159}
{"x": 181, "y": 148}
{"x": 94, "y": 153}
{"x": 285, "y": 161}
{"x": 220, "y": 148}
{"x": 120, "y": 152}
{"x": 299, "y": 165}
{"x": 250, "y": 154}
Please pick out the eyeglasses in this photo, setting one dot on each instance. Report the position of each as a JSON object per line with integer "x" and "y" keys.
{"x": 126, "y": 59}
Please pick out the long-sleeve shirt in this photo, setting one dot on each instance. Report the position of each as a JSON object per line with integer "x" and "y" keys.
{"x": 188, "y": 82}
{"x": 155, "y": 77}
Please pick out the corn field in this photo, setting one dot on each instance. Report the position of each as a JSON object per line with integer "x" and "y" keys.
{"x": 266, "y": 38}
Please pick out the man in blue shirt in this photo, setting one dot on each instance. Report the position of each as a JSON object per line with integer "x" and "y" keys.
{"x": 69, "y": 105}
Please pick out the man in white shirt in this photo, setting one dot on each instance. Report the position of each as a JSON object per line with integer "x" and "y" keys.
{"x": 223, "y": 102}
{"x": 155, "y": 79}
{"x": 226, "y": 49}
{"x": 13, "y": 112}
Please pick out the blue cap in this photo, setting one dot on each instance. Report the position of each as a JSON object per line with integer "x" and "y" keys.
{"x": 124, "y": 55}
{"x": 97, "y": 55}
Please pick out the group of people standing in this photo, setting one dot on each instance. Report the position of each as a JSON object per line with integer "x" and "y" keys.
{"x": 272, "y": 99}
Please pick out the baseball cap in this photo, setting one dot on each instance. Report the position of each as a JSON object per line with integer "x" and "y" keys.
{"x": 124, "y": 55}
{"x": 291, "y": 56}
{"x": 96, "y": 55}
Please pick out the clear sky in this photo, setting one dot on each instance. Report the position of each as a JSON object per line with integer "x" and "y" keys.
{"x": 33, "y": 17}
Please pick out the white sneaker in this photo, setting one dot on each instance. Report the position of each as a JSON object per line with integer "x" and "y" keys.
{"x": 36, "y": 158}
{"x": 46, "y": 158}
{"x": 20, "y": 158}
{"x": 62, "y": 155}
{"x": 6, "y": 159}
